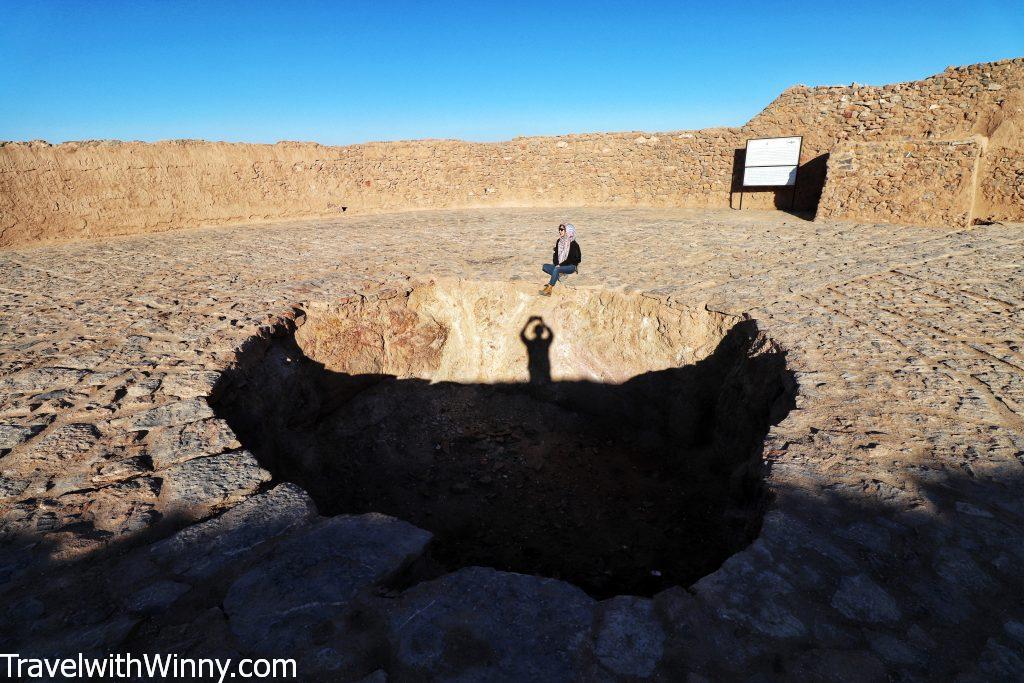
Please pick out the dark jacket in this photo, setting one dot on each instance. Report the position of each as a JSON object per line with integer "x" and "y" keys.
{"x": 574, "y": 257}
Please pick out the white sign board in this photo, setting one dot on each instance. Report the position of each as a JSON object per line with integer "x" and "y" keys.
{"x": 773, "y": 152}
{"x": 764, "y": 176}
{"x": 771, "y": 162}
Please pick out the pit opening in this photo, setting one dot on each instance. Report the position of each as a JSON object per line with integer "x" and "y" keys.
{"x": 607, "y": 439}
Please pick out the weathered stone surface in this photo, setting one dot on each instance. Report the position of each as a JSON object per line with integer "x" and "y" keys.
{"x": 166, "y": 415}
{"x": 199, "y": 551}
{"x": 861, "y": 599}
{"x": 123, "y": 508}
{"x": 62, "y": 442}
{"x": 630, "y": 639}
{"x": 696, "y": 635}
{"x": 482, "y": 624}
{"x": 41, "y": 379}
{"x": 843, "y": 666}
{"x": 958, "y": 568}
{"x": 746, "y": 589}
{"x": 10, "y": 488}
{"x": 1001, "y": 661}
{"x": 91, "y": 638}
{"x": 156, "y": 597}
{"x": 206, "y": 635}
{"x": 296, "y": 597}
{"x": 908, "y": 430}
{"x": 196, "y": 486}
{"x": 894, "y": 650}
{"x": 12, "y": 435}
{"x": 190, "y": 384}
{"x": 168, "y": 446}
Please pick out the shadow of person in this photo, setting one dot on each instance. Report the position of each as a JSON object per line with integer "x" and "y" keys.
{"x": 538, "y": 349}
{"x": 510, "y": 474}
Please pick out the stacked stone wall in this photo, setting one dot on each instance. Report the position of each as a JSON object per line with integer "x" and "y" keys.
{"x": 981, "y": 99}
{"x": 910, "y": 182}
{"x": 94, "y": 189}
{"x": 1001, "y": 187}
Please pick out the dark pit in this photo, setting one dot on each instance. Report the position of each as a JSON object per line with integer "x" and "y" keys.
{"x": 617, "y": 446}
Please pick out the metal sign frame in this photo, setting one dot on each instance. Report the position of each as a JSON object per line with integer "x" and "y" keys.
{"x": 796, "y": 175}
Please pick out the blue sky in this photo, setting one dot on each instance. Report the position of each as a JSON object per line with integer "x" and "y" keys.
{"x": 345, "y": 72}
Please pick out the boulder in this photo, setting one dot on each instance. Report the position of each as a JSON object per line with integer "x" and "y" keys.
{"x": 480, "y": 624}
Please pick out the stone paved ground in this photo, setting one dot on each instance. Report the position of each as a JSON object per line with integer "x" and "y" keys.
{"x": 894, "y": 546}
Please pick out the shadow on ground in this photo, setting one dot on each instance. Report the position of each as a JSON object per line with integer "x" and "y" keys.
{"x": 626, "y": 488}
{"x": 800, "y": 201}
{"x": 915, "y": 581}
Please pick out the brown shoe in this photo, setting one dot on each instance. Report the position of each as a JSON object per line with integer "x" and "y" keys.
{"x": 546, "y": 291}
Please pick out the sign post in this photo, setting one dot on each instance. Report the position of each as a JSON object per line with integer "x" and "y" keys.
{"x": 772, "y": 162}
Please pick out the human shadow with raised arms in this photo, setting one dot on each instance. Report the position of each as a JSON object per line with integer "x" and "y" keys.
{"x": 538, "y": 349}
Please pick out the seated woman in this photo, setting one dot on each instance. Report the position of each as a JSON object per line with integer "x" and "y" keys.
{"x": 565, "y": 258}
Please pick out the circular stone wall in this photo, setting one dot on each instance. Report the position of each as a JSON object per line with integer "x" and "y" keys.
{"x": 607, "y": 439}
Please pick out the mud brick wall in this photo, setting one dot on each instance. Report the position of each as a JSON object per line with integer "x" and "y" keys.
{"x": 914, "y": 183}
{"x": 95, "y": 189}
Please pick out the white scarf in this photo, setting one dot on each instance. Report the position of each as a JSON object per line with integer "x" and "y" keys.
{"x": 564, "y": 241}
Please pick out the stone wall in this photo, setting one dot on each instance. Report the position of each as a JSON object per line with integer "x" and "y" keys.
{"x": 94, "y": 189}
{"x": 1001, "y": 187}
{"x": 981, "y": 99}
{"x": 915, "y": 183}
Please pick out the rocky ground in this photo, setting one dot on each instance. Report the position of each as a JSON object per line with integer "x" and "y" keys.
{"x": 893, "y": 547}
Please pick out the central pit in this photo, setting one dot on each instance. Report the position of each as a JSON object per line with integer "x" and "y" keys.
{"x": 608, "y": 439}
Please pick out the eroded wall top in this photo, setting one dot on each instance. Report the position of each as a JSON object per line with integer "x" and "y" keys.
{"x": 94, "y": 189}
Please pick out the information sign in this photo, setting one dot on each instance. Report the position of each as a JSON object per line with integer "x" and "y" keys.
{"x": 769, "y": 176}
{"x": 771, "y": 162}
{"x": 773, "y": 152}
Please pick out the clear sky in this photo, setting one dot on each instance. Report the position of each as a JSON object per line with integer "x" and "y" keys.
{"x": 351, "y": 71}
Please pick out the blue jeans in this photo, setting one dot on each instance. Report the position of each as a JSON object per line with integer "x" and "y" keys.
{"x": 554, "y": 271}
